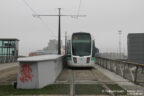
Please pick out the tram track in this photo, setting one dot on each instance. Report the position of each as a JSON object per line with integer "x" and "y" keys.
{"x": 72, "y": 82}
{"x": 102, "y": 83}
{"x": 95, "y": 80}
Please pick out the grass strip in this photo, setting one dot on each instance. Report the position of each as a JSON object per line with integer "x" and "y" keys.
{"x": 116, "y": 89}
{"x": 50, "y": 89}
{"x": 89, "y": 89}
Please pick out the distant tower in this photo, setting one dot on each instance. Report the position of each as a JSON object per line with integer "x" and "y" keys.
{"x": 120, "y": 33}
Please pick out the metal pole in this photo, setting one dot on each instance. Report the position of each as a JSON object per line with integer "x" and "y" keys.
{"x": 59, "y": 33}
{"x": 59, "y": 25}
{"x": 120, "y": 32}
{"x": 65, "y": 43}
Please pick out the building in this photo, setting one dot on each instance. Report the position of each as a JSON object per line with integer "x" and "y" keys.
{"x": 136, "y": 47}
{"x": 8, "y": 50}
{"x": 52, "y": 48}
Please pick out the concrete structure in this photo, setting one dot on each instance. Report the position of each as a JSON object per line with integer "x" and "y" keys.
{"x": 136, "y": 47}
{"x": 8, "y": 50}
{"x": 38, "y": 71}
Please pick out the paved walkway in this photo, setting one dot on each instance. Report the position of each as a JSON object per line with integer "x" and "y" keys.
{"x": 124, "y": 83}
{"x": 8, "y": 73}
{"x": 8, "y": 65}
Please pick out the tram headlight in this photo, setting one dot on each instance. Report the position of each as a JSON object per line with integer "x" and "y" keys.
{"x": 88, "y": 60}
{"x": 75, "y": 59}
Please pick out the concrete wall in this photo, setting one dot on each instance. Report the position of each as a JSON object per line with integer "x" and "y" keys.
{"x": 25, "y": 82}
{"x": 38, "y": 71}
{"x": 49, "y": 72}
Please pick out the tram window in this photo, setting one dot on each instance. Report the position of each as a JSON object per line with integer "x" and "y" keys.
{"x": 81, "y": 49}
{"x": 94, "y": 49}
{"x": 81, "y": 44}
{"x": 68, "y": 48}
{"x": 0, "y": 51}
{"x": 81, "y": 36}
{"x": 0, "y": 43}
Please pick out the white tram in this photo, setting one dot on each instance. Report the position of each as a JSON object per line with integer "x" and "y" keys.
{"x": 80, "y": 50}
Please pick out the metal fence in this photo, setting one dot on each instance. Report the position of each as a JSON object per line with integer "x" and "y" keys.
{"x": 128, "y": 70}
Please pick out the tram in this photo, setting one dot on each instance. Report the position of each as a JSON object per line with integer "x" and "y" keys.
{"x": 81, "y": 50}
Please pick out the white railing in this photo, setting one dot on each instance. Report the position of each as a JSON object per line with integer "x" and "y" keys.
{"x": 134, "y": 72}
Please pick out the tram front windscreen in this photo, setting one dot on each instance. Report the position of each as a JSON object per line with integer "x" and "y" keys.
{"x": 81, "y": 44}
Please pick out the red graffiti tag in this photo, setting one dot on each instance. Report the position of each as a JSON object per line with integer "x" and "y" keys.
{"x": 26, "y": 73}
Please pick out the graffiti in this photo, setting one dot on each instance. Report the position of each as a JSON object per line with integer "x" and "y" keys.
{"x": 26, "y": 73}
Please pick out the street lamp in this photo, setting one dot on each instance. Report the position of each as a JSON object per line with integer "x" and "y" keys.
{"x": 120, "y": 33}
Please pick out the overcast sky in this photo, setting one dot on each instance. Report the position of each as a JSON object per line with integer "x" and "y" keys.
{"x": 104, "y": 19}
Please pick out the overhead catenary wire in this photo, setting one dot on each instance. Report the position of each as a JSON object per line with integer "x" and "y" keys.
{"x": 45, "y": 24}
{"x": 79, "y": 8}
{"x": 27, "y": 4}
{"x": 34, "y": 12}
